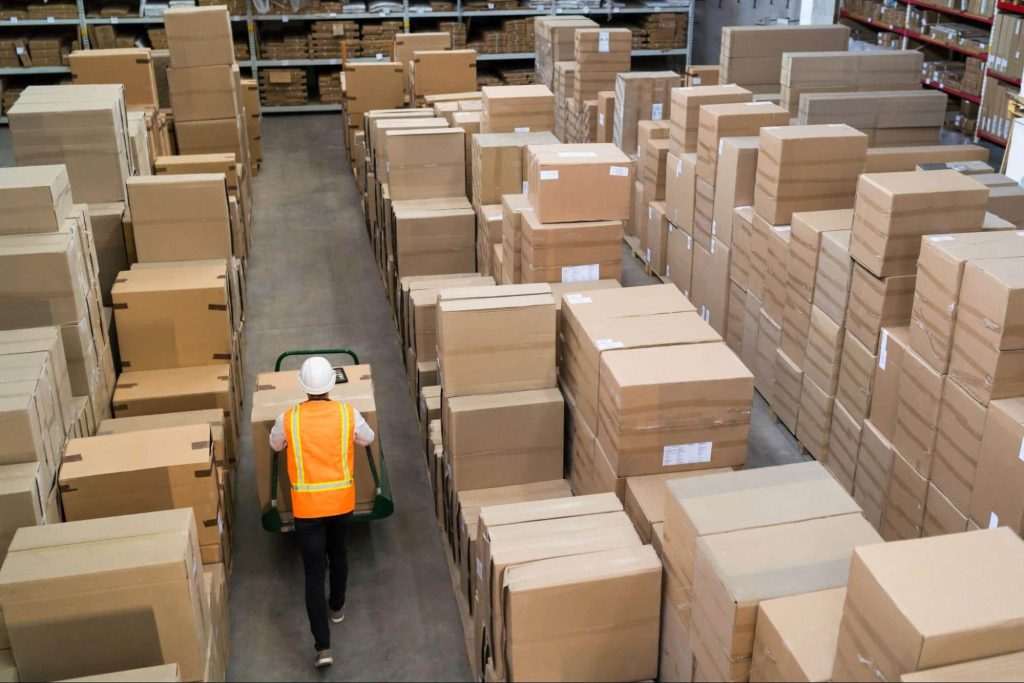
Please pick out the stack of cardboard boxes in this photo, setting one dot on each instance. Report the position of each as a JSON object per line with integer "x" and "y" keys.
{"x": 555, "y": 41}
{"x": 843, "y": 72}
{"x": 751, "y": 56}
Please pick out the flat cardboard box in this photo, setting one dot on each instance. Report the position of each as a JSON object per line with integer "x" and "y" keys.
{"x": 517, "y": 109}
{"x": 719, "y": 121}
{"x": 213, "y": 418}
{"x": 789, "y": 378}
{"x": 850, "y": 71}
{"x": 988, "y": 347}
{"x": 579, "y": 183}
{"x": 140, "y": 573}
{"x": 961, "y": 427}
{"x": 686, "y": 104}
{"x": 426, "y": 164}
{"x": 44, "y": 280}
{"x": 199, "y": 36}
{"x": 738, "y": 569}
{"x": 437, "y": 72}
{"x": 173, "y": 317}
{"x": 473, "y": 349}
{"x": 973, "y": 576}
{"x": 165, "y": 673}
{"x": 835, "y": 272}
{"x": 874, "y": 468}
{"x": 856, "y": 377}
{"x": 645, "y": 499}
{"x": 892, "y": 348}
{"x": 132, "y": 67}
{"x": 1005, "y": 667}
{"x": 807, "y": 168}
{"x": 795, "y": 638}
{"x": 876, "y": 303}
{"x": 940, "y": 271}
{"x": 34, "y": 199}
{"x": 406, "y": 44}
{"x": 1000, "y": 470}
{"x": 195, "y": 225}
{"x": 941, "y": 517}
{"x": 639, "y": 426}
{"x": 735, "y": 177}
{"x": 894, "y": 159}
{"x": 205, "y": 92}
{"x": 903, "y": 518}
{"x": 894, "y": 210}
{"x": 824, "y": 351}
{"x": 844, "y": 438}
{"x": 570, "y": 252}
{"x": 615, "y": 592}
{"x": 433, "y": 236}
{"x": 503, "y": 439}
{"x": 813, "y": 429}
{"x": 917, "y": 413}
{"x": 745, "y": 48}
{"x": 373, "y": 86}
{"x": 210, "y": 136}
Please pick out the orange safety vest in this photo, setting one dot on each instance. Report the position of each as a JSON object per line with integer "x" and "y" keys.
{"x": 321, "y": 450}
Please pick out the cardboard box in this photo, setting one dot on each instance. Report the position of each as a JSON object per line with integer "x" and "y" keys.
{"x": 999, "y": 469}
{"x": 201, "y": 93}
{"x": 512, "y": 208}
{"x": 742, "y": 229}
{"x": 686, "y": 104}
{"x": 892, "y": 349}
{"x": 824, "y": 351}
{"x": 645, "y": 499}
{"x": 797, "y": 558}
{"x": 894, "y": 210}
{"x": 848, "y": 71}
{"x": 498, "y": 163}
{"x": 641, "y": 96}
{"x": 789, "y": 378}
{"x": 988, "y": 348}
{"x": 570, "y": 252}
{"x": 737, "y": 316}
{"x": 844, "y": 437}
{"x": 719, "y": 121}
{"x": 795, "y": 637}
{"x": 769, "y": 337}
{"x": 877, "y": 113}
{"x": 132, "y": 67}
{"x": 681, "y": 190}
{"x": 600, "y": 54}
{"x": 517, "y": 109}
{"x": 753, "y": 54}
{"x": 426, "y": 164}
{"x": 941, "y": 517}
{"x": 703, "y": 212}
{"x": 917, "y": 412}
{"x": 655, "y": 242}
{"x": 641, "y": 389}
{"x": 34, "y": 199}
{"x": 856, "y": 377}
{"x": 436, "y": 72}
{"x": 213, "y": 418}
{"x": 199, "y": 36}
{"x": 893, "y": 159}
{"x": 876, "y": 303}
{"x": 165, "y": 673}
{"x": 473, "y": 348}
{"x": 433, "y": 236}
{"x": 372, "y": 86}
{"x": 579, "y": 182}
{"x": 173, "y": 317}
{"x": 379, "y": 127}
{"x": 406, "y": 44}
{"x": 776, "y": 239}
{"x": 44, "y": 280}
{"x": 807, "y": 168}
{"x": 734, "y": 183}
{"x": 970, "y": 575}
{"x": 961, "y": 426}
{"x": 903, "y": 518}
{"x": 990, "y": 668}
{"x": 195, "y": 225}
{"x": 679, "y": 259}
{"x": 816, "y": 406}
{"x": 940, "y": 271}
{"x": 874, "y": 469}
{"x": 835, "y": 272}
{"x": 710, "y": 289}
{"x": 503, "y": 439}
{"x": 676, "y": 658}
{"x": 796, "y": 322}
{"x": 421, "y": 311}
{"x": 618, "y": 592}
{"x": 107, "y": 572}
{"x": 210, "y": 137}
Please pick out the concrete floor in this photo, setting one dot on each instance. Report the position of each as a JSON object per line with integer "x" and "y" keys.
{"x": 312, "y": 282}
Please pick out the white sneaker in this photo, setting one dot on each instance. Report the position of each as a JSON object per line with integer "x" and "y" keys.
{"x": 338, "y": 617}
{"x": 323, "y": 659}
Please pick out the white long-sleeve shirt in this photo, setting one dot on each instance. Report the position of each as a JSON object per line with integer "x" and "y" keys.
{"x": 363, "y": 433}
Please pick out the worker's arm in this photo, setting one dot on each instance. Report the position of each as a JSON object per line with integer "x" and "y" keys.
{"x": 364, "y": 433}
{"x": 277, "y": 437}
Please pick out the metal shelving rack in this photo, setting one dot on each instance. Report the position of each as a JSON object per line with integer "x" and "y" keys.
{"x": 409, "y": 15}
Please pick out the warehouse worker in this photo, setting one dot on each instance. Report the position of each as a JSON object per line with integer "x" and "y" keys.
{"x": 321, "y": 436}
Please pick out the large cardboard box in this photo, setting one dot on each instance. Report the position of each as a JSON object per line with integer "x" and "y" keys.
{"x": 199, "y": 36}
{"x": 579, "y": 182}
{"x": 371, "y": 86}
{"x": 211, "y": 136}
{"x": 138, "y": 574}
{"x": 892, "y": 348}
{"x": 917, "y": 412}
{"x": 640, "y": 428}
{"x": 499, "y": 163}
{"x": 180, "y": 218}
{"x": 421, "y": 313}
{"x": 1006, "y": 667}
{"x": 795, "y": 637}
{"x": 907, "y": 114}
{"x": 876, "y": 303}
{"x": 988, "y": 344}
{"x": 212, "y": 417}
{"x": 874, "y": 468}
{"x": 1000, "y": 469}
{"x": 608, "y": 603}
{"x": 503, "y": 439}
{"x": 436, "y": 72}
{"x": 835, "y": 272}
{"x": 34, "y": 199}
{"x": 719, "y": 121}
{"x": 517, "y": 109}
{"x": 893, "y": 159}
{"x": 894, "y": 210}
{"x": 474, "y": 350}
{"x": 426, "y": 164}
{"x": 570, "y": 251}
{"x": 645, "y": 499}
{"x": 961, "y": 427}
{"x": 600, "y": 54}
{"x": 738, "y": 569}
{"x": 734, "y": 183}
{"x": 433, "y": 236}
{"x": 961, "y": 604}
{"x": 202, "y": 93}
{"x": 132, "y": 67}
{"x": 44, "y": 280}
{"x": 173, "y": 317}
{"x": 686, "y": 104}
{"x": 807, "y": 168}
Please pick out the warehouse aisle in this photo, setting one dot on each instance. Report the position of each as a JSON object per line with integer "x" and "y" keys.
{"x": 313, "y": 283}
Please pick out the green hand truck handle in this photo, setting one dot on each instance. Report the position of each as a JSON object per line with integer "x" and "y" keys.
{"x": 314, "y": 352}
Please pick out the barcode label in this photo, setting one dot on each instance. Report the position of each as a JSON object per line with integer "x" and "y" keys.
{"x": 620, "y": 171}
{"x": 586, "y": 273}
{"x": 578, "y": 299}
{"x": 656, "y": 112}
{"x": 603, "y": 41}
{"x": 522, "y": 129}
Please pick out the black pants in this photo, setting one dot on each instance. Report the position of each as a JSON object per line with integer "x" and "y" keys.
{"x": 322, "y": 541}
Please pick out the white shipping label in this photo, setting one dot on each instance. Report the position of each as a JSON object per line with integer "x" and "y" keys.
{"x": 679, "y": 168}
{"x": 668, "y": 270}
{"x": 587, "y": 273}
{"x": 605, "y": 344}
{"x": 526, "y": 186}
{"x": 549, "y": 175}
{"x": 522, "y": 129}
{"x": 648, "y": 254}
{"x": 19, "y": 50}
{"x": 689, "y": 242}
{"x": 600, "y": 118}
{"x": 714, "y": 231}
{"x": 686, "y": 454}
{"x": 656, "y": 110}
{"x": 695, "y": 80}
{"x": 993, "y": 520}
{"x": 883, "y": 349}
{"x": 573, "y": 155}
{"x": 479, "y": 568}
{"x": 603, "y": 41}
{"x": 578, "y": 299}
{"x": 721, "y": 146}
{"x": 713, "y": 245}
{"x": 620, "y": 171}
{"x": 650, "y": 212}
{"x": 942, "y": 238}
{"x": 1020, "y": 453}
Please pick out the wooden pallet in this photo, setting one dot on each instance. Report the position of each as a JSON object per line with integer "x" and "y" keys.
{"x": 801, "y": 449}
{"x": 634, "y": 246}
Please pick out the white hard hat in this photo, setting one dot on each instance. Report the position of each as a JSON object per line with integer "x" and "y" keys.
{"x": 317, "y": 377}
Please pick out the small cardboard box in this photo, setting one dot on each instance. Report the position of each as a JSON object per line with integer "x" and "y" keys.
{"x": 971, "y": 575}
{"x": 587, "y": 182}
{"x": 202, "y": 93}
{"x": 795, "y": 637}
{"x": 180, "y": 218}
{"x": 199, "y": 36}
{"x": 835, "y": 271}
{"x": 686, "y": 104}
{"x": 876, "y": 303}
{"x": 132, "y": 67}
{"x": 894, "y": 210}
{"x": 892, "y": 348}
{"x": 640, "y": 391}
{"x": 961, "y": 427}
{"x": 517, "y": 109}
{"x": 1000, "y": 470}
{"x": 34, "y": 199}
{"x": 503, "y": 439}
